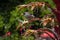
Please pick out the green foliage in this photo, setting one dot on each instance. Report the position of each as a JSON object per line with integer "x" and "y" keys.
{"x": 1, "y": 23}
{"x": 27, "y": 38}
{"x": 49, "y": 1}
{"x": 9, "y": 15}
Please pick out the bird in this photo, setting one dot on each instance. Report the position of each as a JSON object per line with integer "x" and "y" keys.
{"x": 28, "y": 15}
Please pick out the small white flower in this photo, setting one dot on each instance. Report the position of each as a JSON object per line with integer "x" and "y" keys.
{"x": 24, "y": 22}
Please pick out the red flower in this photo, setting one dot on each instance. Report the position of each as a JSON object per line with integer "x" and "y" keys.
{"x": 44, "y": 35}
{"x": 8, "y": 33}
{"x": 50, "y": 34}
{"x": 21, "y": 29}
